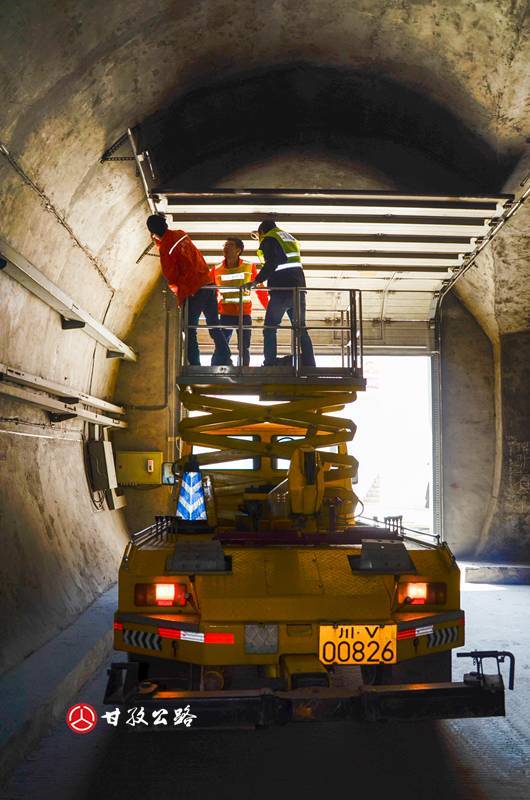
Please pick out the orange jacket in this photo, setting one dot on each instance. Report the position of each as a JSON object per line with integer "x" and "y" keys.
{"x": 230, "y": 279}
{"x": 183, "y": 265}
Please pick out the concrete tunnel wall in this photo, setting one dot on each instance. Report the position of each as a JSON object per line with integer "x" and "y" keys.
{"x": 74, "y": 76}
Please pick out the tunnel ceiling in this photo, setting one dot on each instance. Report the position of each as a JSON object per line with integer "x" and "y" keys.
{"x": 333, "y": 110}
{"x": 421, "y": 92}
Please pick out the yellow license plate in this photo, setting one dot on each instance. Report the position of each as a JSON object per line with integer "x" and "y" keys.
{"x": 358, "y": 644}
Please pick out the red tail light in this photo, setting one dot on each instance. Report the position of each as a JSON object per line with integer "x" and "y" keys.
{"x": 418, "y": 593}
{"x": 160, "y": 594}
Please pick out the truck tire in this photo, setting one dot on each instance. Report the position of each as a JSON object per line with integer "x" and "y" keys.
{"x": 435, "y": 668}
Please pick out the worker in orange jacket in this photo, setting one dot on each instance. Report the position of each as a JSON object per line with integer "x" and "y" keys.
{"x": 229, "y": 275}
{"x": 188, "y": 277}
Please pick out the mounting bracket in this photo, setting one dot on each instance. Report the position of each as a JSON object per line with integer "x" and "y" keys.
{"x": 70, "y": 324}
{"x": 54, "y": 417}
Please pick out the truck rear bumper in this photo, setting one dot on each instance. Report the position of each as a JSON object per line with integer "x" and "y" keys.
{"x": 477, "y": 696}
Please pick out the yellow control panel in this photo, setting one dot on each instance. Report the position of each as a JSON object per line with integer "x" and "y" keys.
{"x": 139, "y": 467}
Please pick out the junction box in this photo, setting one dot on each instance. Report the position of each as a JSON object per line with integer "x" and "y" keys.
{"x": 139, "y": 467}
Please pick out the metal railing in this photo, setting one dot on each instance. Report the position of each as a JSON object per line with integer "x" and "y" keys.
{"x": 346, "y": 328}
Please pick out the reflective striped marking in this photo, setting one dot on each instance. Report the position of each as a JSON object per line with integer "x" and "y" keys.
{"x": 191, "y": 503}
{"x": 177, "y": 242}
{"x": 233, "y": 289}
{"x": 142, "y": 639}
{"x": 288, "y": 266}
{"x": 232, "y": 276}
{"x": 436, "y": 637}
{"x": 193, "y": 636}
{"x": 293, "y": 255}
{"x": 443, "y": 636}
{"x": 412, "y": 633}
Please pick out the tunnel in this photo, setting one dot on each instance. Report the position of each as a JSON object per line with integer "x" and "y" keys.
{"x": 105, "y": 103}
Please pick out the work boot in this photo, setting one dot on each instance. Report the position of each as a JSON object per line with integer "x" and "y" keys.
{"x": 285, "y": 361}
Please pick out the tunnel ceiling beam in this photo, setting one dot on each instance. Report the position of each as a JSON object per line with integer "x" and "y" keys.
{"x": 19, "y": 269}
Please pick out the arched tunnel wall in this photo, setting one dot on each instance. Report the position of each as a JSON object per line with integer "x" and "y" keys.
{"x": 74, "y": 77}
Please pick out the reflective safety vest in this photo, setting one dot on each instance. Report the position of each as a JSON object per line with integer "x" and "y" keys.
{"x": 228, "y": 282}
{"x": 289, "y": 245}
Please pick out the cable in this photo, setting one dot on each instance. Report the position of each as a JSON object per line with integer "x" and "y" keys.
{"x": 355, "y": 516}
{"x": 98, "y": 501}
{"x": 48, "y": 205}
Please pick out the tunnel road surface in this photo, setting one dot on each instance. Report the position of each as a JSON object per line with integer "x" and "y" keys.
{"x": 481, "y": 759}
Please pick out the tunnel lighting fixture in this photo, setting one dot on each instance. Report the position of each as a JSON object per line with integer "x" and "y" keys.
{"x": 72, "y": 315}
{"x": 368, "y": 245}
{"x": 336, "y": 228}
{"x": 330, "y": 210}
{"x": 348, "y": 261}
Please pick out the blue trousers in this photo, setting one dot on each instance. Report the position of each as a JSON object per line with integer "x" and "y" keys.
{"x": 205, "y": 302}
{"x": 281, "y": 302}
{"x": 229, "y": 319}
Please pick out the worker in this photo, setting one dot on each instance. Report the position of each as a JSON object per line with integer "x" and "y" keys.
{"x": 229, "y": 275}
{"x": 279, "y": 253}
{"x": 188, "y": 277}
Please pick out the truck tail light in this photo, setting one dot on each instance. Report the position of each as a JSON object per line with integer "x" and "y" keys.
{"x": 417, "y": 593}
{"x": 160, "y": 594}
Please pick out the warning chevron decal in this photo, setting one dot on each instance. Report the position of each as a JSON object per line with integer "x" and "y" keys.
{"x": 148, "y": 641}
{"x": 442, "y": 636}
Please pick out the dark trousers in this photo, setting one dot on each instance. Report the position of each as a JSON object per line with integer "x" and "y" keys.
{"x": 281, "y": 302}
{"x": 229, "y": 319}
{"x": 205, "y": 302}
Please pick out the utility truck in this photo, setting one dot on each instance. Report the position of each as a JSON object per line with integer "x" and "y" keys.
{"x": 264, "y": 599}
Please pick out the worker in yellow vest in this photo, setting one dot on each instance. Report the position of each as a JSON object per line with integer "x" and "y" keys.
{"x": 229, "y": 276}
{"x": 279, "y": 252}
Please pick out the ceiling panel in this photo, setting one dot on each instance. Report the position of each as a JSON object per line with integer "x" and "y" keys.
{"x": 397, "y": 248}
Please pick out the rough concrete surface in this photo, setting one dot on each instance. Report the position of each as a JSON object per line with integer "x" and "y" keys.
{"x": 499, "y": 574}
{"x": 468, "y": 433}
{"x": 35, "y": 694}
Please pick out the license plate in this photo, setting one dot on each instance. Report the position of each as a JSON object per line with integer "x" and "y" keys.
{"x": 358, "y": 644}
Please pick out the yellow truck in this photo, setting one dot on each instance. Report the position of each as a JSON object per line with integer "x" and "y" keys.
{"x": 263, "y": 599}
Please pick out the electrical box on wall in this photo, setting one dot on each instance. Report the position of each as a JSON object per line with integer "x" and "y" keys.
{"x": 102, "y": 470}
{"x": 139, "y": 467}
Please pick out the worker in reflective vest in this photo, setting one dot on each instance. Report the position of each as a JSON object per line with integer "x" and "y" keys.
{"x": 279, "y": 252}
{"x": 231, "y": 274}
{"x": 188, "y": 275}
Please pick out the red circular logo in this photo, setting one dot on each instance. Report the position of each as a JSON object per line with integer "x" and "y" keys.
{"x": 81, "y": 718}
